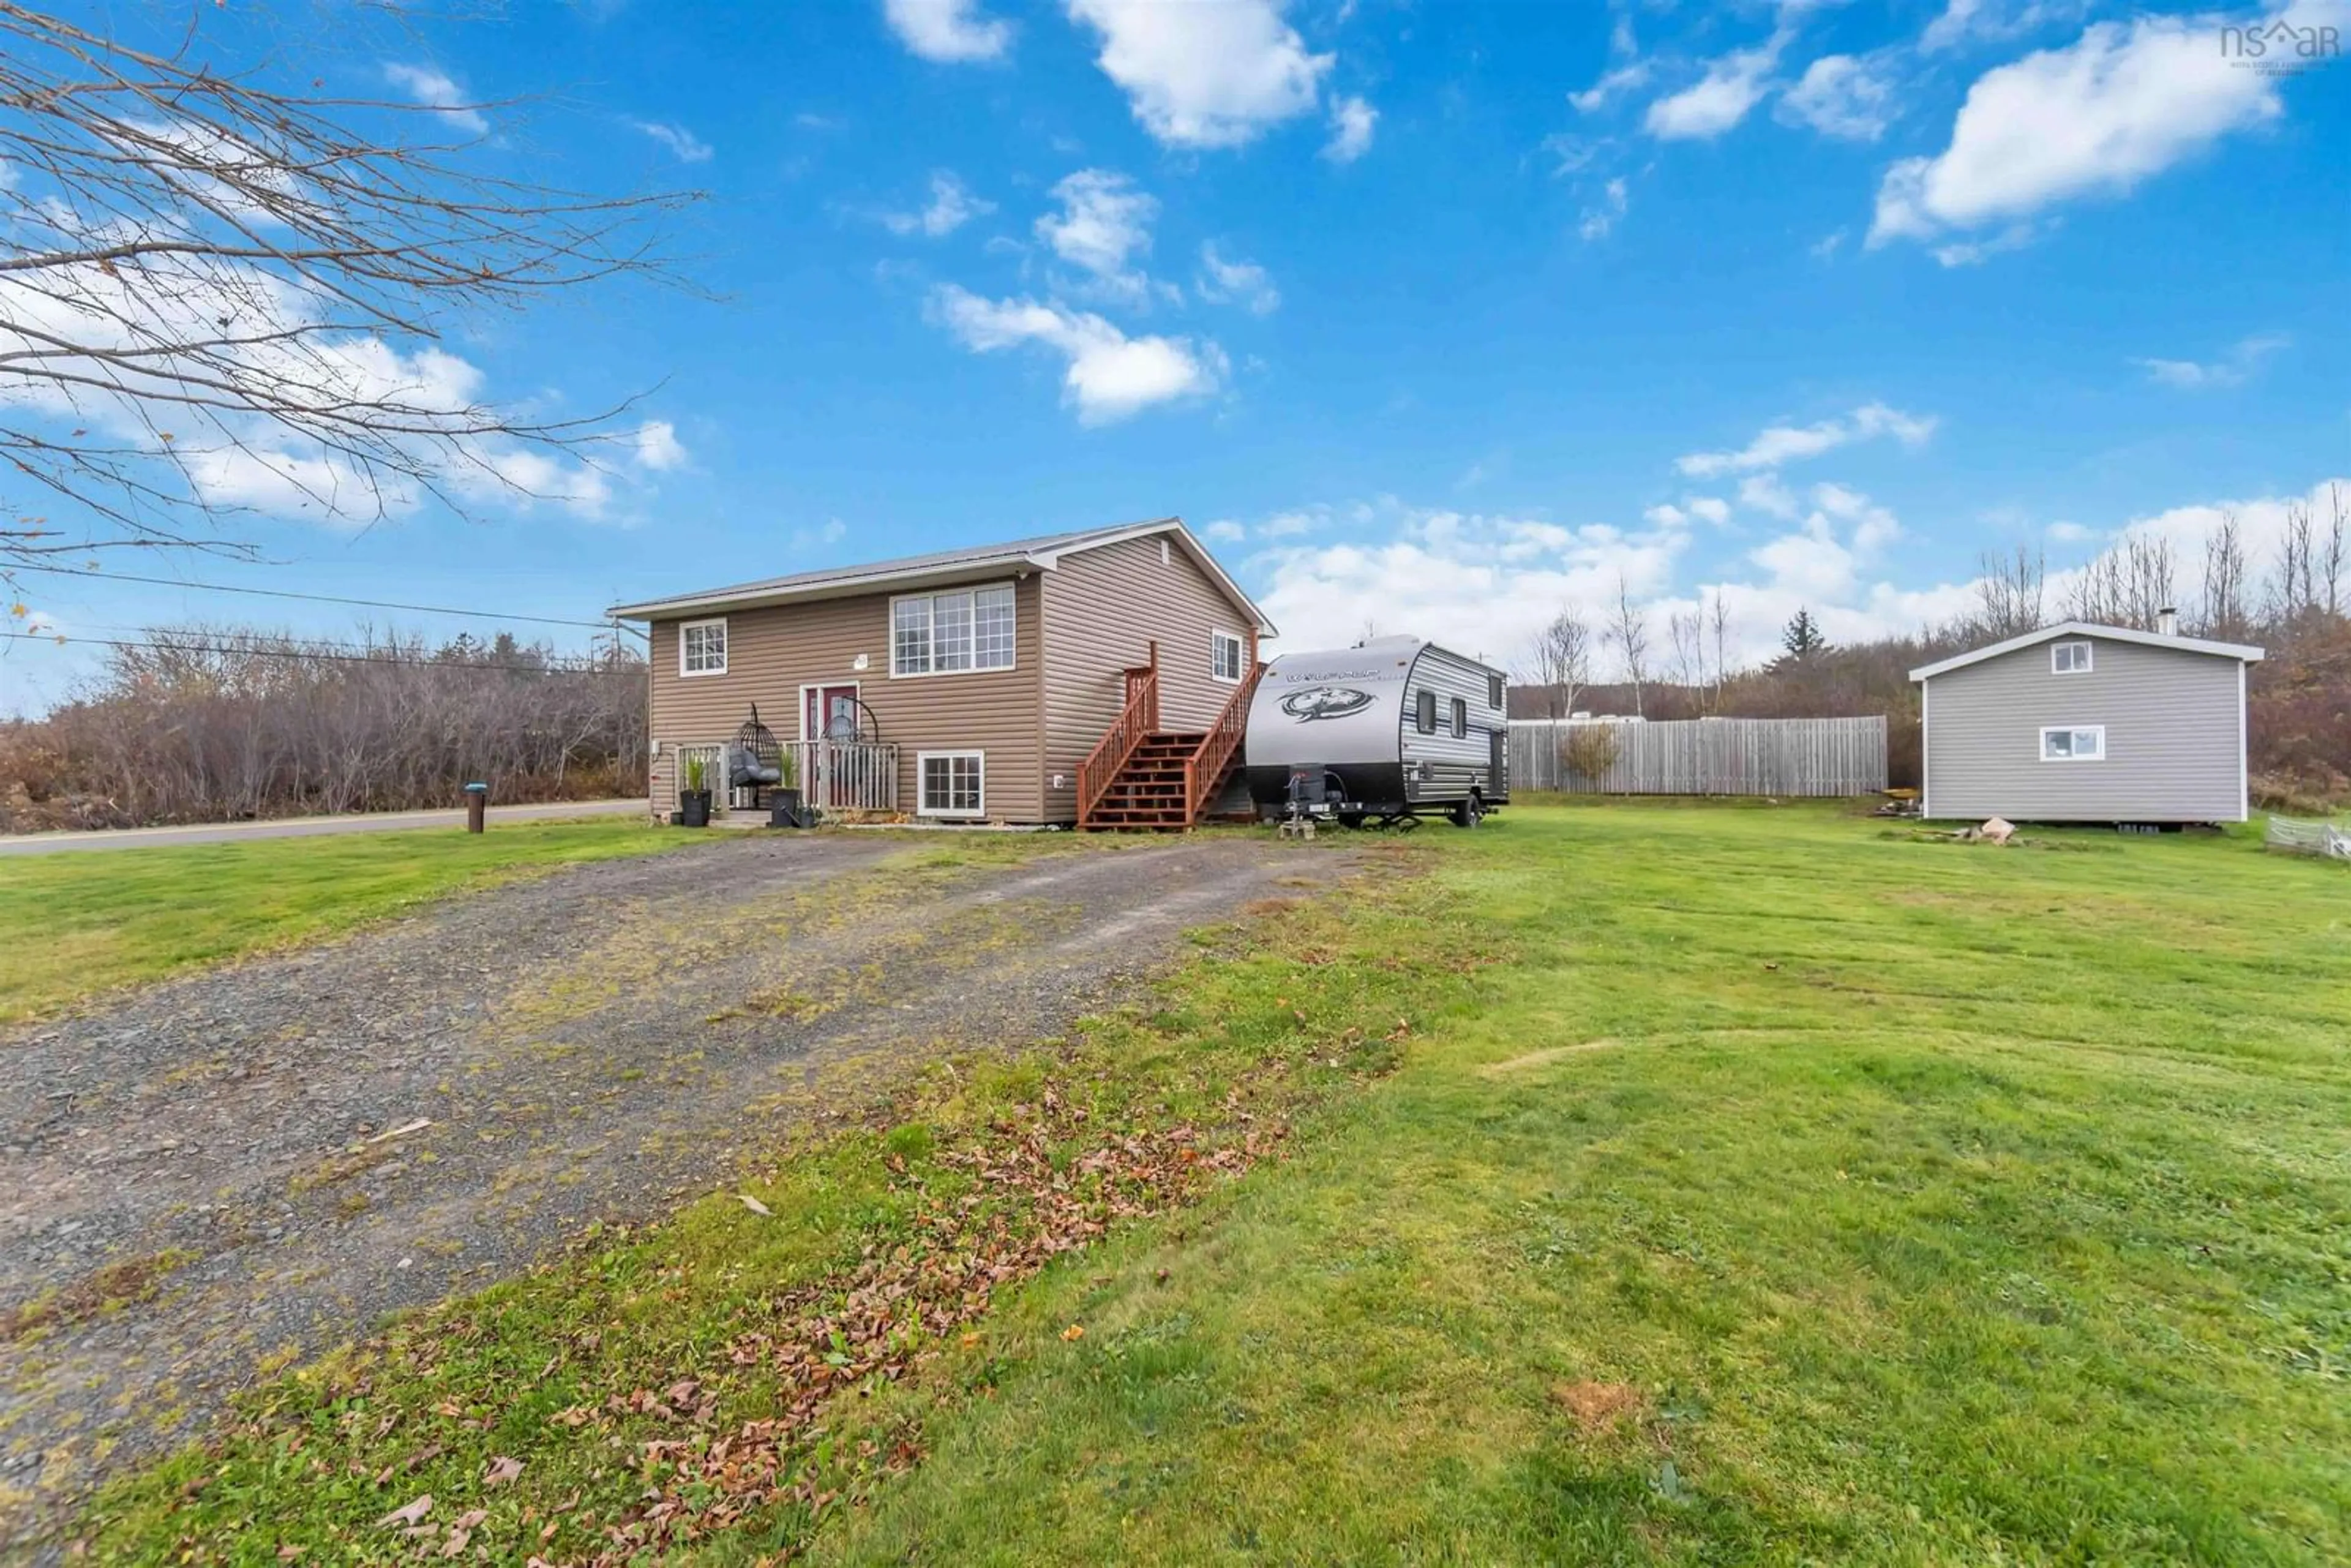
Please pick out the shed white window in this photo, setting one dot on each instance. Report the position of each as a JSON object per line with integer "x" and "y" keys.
{"x": 702, "y": 647}
{"x": 2074, "y": 743}
{"x": 952, "y": 783}
{"x": 953, "y": 632}
{"x": 1423, "y": 712}
{"x": 2069, "y": 658}
{"x": 1226, "y": 653}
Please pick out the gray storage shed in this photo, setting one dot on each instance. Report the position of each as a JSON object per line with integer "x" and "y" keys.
{"x": 2081, "y": 723}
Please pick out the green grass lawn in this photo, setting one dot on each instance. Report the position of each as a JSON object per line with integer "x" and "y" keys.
{"x": 1666, "y": 1185}
{"x": 76, "y": 924}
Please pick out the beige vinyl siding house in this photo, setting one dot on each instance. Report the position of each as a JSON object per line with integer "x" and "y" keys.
{"x": 2081, "y": 723}
{"x": 993, "y": 719}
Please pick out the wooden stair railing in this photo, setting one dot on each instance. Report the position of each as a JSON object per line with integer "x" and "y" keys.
{"x": 1133, "y": 725}
{"x": 1204, "y": 771}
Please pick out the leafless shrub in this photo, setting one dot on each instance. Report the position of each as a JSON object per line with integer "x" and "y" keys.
{"x": 213, "y": 723}
{"x": 1589, "y": 750}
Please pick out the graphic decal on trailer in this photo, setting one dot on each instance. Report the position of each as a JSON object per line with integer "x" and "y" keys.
{"x": 1325, "y": 701}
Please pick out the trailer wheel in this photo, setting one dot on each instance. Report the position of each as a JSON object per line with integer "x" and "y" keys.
{"x": 1467, "y": 814}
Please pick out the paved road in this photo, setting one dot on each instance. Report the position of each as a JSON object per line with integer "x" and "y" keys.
{"x": 298, "y": 826}
{"x": 298, "y": 1144}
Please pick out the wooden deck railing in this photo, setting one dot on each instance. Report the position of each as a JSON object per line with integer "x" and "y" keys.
{"x": 847, "y": 775}
{"x": 1135, "y": 722}
{"x": 1204, "y": 771}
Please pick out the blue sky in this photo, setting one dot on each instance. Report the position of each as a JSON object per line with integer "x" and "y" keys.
{"x": 1437, "y": 316}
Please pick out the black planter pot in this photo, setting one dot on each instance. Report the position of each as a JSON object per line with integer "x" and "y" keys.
{"x": 693, "y": 807}
{"x": 785, "y": 811}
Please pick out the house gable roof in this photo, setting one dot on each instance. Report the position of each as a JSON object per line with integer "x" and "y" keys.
{"x": 1042, "y": 553}
{"x": 2090, "y": 629}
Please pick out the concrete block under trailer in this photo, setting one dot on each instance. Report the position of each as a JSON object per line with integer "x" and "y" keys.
{"x": 1397, "y": 726}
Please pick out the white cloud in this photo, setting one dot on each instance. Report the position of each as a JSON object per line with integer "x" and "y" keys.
{"x": 1764, "y": 493}
{"x": 1872, "y": 526}
{"x": 1224, "y": 530}
{"x": 1720, "y": 99}
{"x": 1843, "y": 95}
{"x": 658, "y": 448}
{"x": 1103, "y": 221}
{"x": 1239, "y": 282}
{"x": 1974, "y": 252}
{"x": 1600, "y": 216}
{"x": 1666, "y": 514}
{"x": 1481, "y": 583}
{"x": 950, "y": 31}
{"x": 1205, "y": 73}
{"x": 1352, "y": 123}
{"x": 2120, "y": 104}
{"x": 1708, "y": 509}
{"x": 2232, "y": 370}
{"x": 2072, "y": 533}
{"x": 1781, "y": 443}
{"x": 434, "y": 89}
{"x": 274, "y": 331}
{"x": 688, "y": 147}
{"x": 1970, "y": 21}
{"x": 951, "y": 206}
{"x": 1614, "y": 83}
{"x": 1110, "y": 375}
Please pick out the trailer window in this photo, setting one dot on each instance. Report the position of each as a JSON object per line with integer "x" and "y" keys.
{"x": 1423, "y": 712}
{"x": 1460, "y": 718}
{"x": 1494, "y": 691}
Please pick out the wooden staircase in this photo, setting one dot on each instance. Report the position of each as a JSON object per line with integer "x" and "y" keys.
{"x": 1144, "y": 778}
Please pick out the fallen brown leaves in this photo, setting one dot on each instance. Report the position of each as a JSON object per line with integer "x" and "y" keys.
{"x": 893, "y": 1313}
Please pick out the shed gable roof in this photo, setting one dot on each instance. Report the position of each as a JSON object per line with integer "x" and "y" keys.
{"x": 1041, "y": 553}
{"x": 2064, "y": 629}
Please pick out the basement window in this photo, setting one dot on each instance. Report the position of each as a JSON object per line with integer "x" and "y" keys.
{"x": 2069, "y": 659}
{"x": 954, "y": 783}
{"x": 2074, "y": 743}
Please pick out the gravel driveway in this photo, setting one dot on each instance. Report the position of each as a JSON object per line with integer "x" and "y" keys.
{"x": 227, "y": 1170}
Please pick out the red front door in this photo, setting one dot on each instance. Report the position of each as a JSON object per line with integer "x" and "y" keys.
{"x": 831, "y": 713}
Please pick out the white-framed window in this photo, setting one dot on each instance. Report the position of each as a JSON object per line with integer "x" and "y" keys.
{"x": 1423, "y": 712}
{"x": 2069, "y": 658}
{"x": 1460, "y": 718}
{"x": 951, "y": 783}
{"x": 2074, "y": 743}
{"x": 1227, "y": 654}
{"x": 702, "y": 647}
{"x": 951, "y": 634}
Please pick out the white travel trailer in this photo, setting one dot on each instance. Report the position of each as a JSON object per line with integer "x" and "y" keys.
{"x": 1388, "y": 729}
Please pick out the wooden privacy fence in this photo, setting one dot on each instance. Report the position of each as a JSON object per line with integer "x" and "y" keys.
{"x": 1707, "y": 756}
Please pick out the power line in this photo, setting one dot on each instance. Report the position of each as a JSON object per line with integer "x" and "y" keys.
{"x": 315, "y": 654}
{"x": 325, "y": 597}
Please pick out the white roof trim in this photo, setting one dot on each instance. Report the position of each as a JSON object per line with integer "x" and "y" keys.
{"x": 2063, "y": 629}
{"x": 979, "y": 564}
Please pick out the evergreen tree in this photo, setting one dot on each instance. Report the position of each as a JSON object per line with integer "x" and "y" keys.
{"x": 1803, "y": 638}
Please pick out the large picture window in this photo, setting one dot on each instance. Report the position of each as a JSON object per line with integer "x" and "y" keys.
{"x": 702, "y": 647}
{"x": 953, "y": 632}
{"x": 952, "y": 783}
{"x": 2074, "y": 743}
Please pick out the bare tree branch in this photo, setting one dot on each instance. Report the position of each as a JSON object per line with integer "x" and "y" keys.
{"x": 226, "y": 292}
